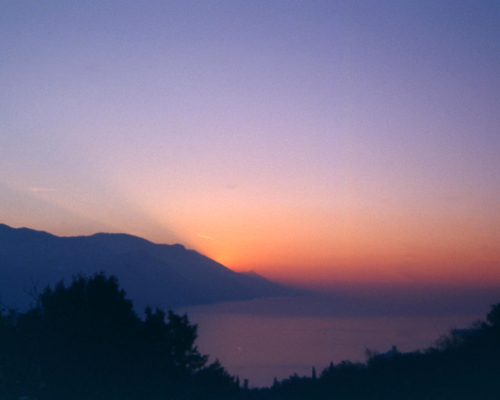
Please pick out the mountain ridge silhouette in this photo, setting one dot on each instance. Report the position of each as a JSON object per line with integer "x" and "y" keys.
{"x": 162, "y": 275}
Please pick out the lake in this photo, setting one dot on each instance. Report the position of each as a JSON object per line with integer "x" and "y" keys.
{"x": 277, "y": 337}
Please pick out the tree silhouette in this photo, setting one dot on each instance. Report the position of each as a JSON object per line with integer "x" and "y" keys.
{"x": 465, "y": 365}
{"x": 493, "y": 316}
{"x": 213, "y": 382}
{"x": 84, "y": 341}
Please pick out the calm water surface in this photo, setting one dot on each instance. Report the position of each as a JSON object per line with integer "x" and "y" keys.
{"x": 268, "y": 338}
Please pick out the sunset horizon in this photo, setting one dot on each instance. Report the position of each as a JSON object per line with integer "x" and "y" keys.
{"x": 346, "y": 153}
{"x": 351, "y": 278}
{"x": 318, "y": 144}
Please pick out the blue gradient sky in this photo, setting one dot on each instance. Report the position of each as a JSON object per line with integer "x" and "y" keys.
{"x": 315, "y": 142}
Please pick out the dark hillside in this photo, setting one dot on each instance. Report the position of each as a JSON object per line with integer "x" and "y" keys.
{"x": 165, "y": 275}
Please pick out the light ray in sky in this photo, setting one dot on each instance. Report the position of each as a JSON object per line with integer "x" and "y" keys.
{"x": 319, "y": 142}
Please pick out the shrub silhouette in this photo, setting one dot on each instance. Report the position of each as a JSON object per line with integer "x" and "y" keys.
{"x": 213, "y": 382}
{"x": 84, "y": 341}
{"x": 464, "y": 366}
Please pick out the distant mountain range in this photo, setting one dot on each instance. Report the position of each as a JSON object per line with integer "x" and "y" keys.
{"x": 161, "y": 275}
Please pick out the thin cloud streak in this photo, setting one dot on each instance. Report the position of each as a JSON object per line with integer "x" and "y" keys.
{"x": 43, "y": 189}
{"x": 205, "y": 236}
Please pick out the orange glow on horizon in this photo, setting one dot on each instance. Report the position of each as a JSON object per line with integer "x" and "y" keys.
{"x": 351, "y": 155}
{"x": 436, "y": 252}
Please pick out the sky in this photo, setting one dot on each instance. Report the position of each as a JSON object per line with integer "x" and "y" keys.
{"x": 318, "y": 143}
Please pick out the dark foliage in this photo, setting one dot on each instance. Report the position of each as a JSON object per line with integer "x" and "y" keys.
{"x": 214, "y": 383}
{"x": 463, "y": 366}
{"x": 85, "y": 342}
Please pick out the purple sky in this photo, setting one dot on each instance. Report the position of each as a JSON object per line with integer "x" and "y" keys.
{"x": 319, "y": 140}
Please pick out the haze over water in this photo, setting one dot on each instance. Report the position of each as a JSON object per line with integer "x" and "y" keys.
{"x": 278, "y": 337}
